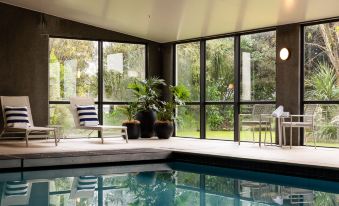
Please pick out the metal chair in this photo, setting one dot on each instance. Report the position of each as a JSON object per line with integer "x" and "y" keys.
{"x": 307, "y": 121}
{"x": 260, "y": 117}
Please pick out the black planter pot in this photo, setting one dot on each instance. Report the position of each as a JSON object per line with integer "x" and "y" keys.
{"x": 133, "y": 129}
{"x": 164, "y": 130}
{"x": 147, "y": 119}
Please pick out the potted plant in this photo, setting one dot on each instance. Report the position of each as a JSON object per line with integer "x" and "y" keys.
{"x": 164, "y": 125}
{"x": 147, "y": 93}
{"x": 133, "y": 125}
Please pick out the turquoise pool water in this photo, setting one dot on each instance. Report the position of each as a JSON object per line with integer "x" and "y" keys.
{"x": 162, "y": 185}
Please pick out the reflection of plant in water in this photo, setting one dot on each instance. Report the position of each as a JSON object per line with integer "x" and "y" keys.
{"x": 148, "y": 192}
{"x": 323, "y": 198}
{"x": 220, "y": 185}
{"x": 62, "y": 184}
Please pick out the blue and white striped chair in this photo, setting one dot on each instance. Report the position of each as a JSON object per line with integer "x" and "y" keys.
{"x": 16, "y": 193}
{"x": 90, "y": 121}
{"x": 17, "y": 116}
{"x": 83, "y": 187}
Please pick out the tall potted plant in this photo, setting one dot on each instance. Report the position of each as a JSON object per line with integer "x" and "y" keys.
{"x": 133, "y": 125}
{"x": 147, "y": 93}
{"x": 164, "y": 125}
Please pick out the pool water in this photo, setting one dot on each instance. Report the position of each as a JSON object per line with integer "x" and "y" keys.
{"x": 165, "y": 184}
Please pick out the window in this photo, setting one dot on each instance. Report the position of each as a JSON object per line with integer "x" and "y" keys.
{"x": 188, "y": 74}
{"x": 74, "y": 71}
{"x": 257, "y": 82}
{"x": 321, "y": 81}
{"x": 216, "y": 98}
{"x": 122, "y": 64}
{"x": 220, "y": 88}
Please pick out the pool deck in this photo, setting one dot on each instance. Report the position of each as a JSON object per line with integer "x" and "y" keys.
{"x": 301, "y": 161}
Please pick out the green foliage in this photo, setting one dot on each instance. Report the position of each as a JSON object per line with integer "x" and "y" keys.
{"x": 322, "y": 84}
{"x": 130, "y": 111}
{"x": 328, "y": 131}
{"x": 179, "y": 94}
{"x": 147, "y": 93}
{"x": 323, "y": 198}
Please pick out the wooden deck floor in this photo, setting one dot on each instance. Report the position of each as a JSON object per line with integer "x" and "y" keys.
{"x": 320, "y": 157}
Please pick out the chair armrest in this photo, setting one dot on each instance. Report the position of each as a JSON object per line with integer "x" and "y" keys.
{"x": 301, "y": 115}
{"x": 245, "y": 114}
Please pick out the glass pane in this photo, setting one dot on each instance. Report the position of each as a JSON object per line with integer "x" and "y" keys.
{"x": 73, "y": 68}
{"x": 61, "y": 184}
{"x": 122, "y": 64}
{"x": 188, "y": 121}
{"x": 220, "y": 122}
{"x": 60, "y": 114}
{"x": 213, "y": 200}
{"x": 219, "y": 185}
{"x": 187, "y": 197}
{"x": 326, "y": 126}
{"x": 113, "y": 116}
{"x": 322, "y": 62}
{"x": 250, "y": 131}
{"x": 220, "y": 69}
{"x": 188, "y": 68}
{"x": 188, "y": 179}
{"x": 258, "y": 66}
{"x": 116, "y": 180}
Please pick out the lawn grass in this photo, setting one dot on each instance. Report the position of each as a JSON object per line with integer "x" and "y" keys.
{"x": 247, "y": 136}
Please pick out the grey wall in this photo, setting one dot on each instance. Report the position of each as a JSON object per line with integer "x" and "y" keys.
{"x": 24, "y": 53}
{"x": 288, "y": 72}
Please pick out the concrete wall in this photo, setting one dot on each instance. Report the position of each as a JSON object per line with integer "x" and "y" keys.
{"x": 24, "y": 53}
{"x": 288, "y": 73}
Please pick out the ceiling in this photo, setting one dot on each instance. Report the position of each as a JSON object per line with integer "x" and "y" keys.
{"x": 171, "y": 20}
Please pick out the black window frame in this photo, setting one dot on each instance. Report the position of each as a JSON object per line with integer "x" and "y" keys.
{"x": 100, "y": 102}
{"x": 237, "y": 102}
{"x": 302, "y": 76}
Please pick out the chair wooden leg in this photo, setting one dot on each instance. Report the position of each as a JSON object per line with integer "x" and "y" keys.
{"x": 266, "y": 130}
{"x": 271, "y": 133}
{"x": 26, "y": 137}
{"x": 102, "y": 138}
{"x": 126, "y": 135}
{"x": 314, "y": 139}
{"x": 284, "y": 135}
{"x": 253, "y": 129}
{"x": 239, "y": 123}
{"x": 55, "y": 137}
{"x": 259, "y": 135}
{"x": 291, "y": 137}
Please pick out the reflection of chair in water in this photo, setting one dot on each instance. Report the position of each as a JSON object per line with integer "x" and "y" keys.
{"x": 258, "y": 192}
{"x": 16, "y": 193}
{"x": 295, "y": 196}
{"x": 260, "y": 117}
{"x": 83, "y": 187}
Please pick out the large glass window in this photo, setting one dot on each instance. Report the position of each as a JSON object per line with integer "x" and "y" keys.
{"x": 321, "y": 81}
{"x": 220, "y": 69}
{"x": 220, "y": 88}
{"x": 122, "y": 64}
{"x": 257, "y": 78}
{"x": 74, "y": 71}
{"x": 188, "y": 74}
{"x": 257, "y": 84}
